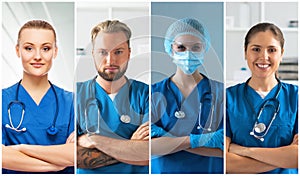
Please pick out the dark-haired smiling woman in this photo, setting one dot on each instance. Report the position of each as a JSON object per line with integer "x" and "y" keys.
{"x": 262, "y": 113}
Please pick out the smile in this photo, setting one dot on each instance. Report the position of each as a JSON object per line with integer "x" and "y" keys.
{"x": 263, "y": 65}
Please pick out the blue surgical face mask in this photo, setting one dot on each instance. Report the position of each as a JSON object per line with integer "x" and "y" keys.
{"x": 188, "y": 61}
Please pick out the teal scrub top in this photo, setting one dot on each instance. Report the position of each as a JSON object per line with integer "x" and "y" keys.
{"x": 132, "y": 100}
{"x": 240, "y": 118}
{"x": 166, "y": 99}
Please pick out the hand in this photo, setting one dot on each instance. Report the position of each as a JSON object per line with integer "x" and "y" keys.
{"x": 237, "y": 149}
{"x": 85, "y": 142}
{"x": 71, "y": 138}
{"x": 295, "y": 140}
{"x": 142, "y": 133}
{"x": 210, "y": 140}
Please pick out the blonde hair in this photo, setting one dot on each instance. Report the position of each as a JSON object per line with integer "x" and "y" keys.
{"x": 111, "y": 26}
{"x": 36, "y": 24}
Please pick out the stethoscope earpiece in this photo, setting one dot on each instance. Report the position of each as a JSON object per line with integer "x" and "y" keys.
{"x": 52, "y": 130}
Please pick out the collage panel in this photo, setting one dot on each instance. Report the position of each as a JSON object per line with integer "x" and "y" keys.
{"x": 112, "y": 92}
{"x": 187, "y": 88}
{"x": 37, "y": 102}
{"x": 262, "y": 88}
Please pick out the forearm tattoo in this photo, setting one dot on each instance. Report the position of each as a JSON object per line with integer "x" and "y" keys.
{"x": 92, "y": 158}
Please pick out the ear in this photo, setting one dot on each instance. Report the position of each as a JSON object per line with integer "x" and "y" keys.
{"x": 129, "y": 53}
{"x": 245, "y": 53}
{"x": 55, "y": 52}
{"x": 282, "y": 51}
{"x": 17, "y": 50}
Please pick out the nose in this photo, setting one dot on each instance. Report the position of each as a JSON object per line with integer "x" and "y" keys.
{"x": 37, "y": 55}
{"x": 265, "y": 55}
{"x": 110, "y": 59}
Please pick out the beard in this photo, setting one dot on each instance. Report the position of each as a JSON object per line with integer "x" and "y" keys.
{"x": 113, "y": 76}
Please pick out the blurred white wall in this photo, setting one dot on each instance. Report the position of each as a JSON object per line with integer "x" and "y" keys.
{"x": 61, "y": 16}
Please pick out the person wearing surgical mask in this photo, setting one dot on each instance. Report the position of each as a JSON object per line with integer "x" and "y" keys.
{"x": 187, "y": 107}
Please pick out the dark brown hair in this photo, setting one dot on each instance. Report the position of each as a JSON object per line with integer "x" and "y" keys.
{"x": 263, "y": 27}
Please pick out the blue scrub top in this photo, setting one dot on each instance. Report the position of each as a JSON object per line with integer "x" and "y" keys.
{"x": 37, "y": 119}
{"x": 163, "y": 107}
{"x": 240, "y": 118}
{"x": 132, "y": 99}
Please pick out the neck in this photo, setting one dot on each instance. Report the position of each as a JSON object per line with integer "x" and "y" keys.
{"x": 263, "y": 84}
{"x": 31, "y": 83}
{"x": 36, "y": 86}
{"x": 111, "y": 87}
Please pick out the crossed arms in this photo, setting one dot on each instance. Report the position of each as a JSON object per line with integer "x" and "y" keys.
{"x": 241, "y": 159}
{"x": 37, "y": 158}
{"x": 98, "y": 151}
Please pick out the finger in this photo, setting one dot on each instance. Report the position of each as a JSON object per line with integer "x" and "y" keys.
{"x": 71, "y": 137}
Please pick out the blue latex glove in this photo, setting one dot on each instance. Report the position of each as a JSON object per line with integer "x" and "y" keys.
{"x": 210, "y": 140}
{"x": 159, "y": 132}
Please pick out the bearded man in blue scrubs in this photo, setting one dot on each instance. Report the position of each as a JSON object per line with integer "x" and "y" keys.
{"x": 112, "y": 110}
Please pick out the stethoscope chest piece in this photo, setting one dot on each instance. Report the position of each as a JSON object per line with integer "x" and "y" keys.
{"x": 259, "y": 128}
{"x": 179, "y": 114}
{"x": 52, "y": 130}
{"x": 125, "y": 118}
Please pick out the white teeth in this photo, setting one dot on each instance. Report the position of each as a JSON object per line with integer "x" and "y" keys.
{"x": 263, "y": 65}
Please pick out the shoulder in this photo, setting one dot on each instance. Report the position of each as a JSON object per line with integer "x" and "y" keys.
{"x": 157, "y": 87}
{"x": 10, "y": 91}
{"x": 62, "y": 93}
{"x": 234, "y": 91}
{"x": 82, "y": 85}
{"x": 138, "y": 86}
{"x": 290, "y": 88}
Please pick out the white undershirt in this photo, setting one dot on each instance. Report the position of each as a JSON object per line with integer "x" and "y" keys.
{"x": 112, "y": 96}
{"x": 263, "y": 94}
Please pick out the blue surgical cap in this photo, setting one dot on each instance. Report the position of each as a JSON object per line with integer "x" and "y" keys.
{"x": 186, "y": 26}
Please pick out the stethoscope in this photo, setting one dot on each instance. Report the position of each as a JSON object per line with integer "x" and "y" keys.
{"x": 179, "y": 114}
{"x": 93, "y": 100}
{"x": 259, "y": 127}
{"x": 52, "y": 130}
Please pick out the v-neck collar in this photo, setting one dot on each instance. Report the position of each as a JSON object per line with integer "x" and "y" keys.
{"x": 26, "y": 96}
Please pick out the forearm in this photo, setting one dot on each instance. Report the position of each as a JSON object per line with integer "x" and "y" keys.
{"x": 282, "y": 157}
{"x": 15, "y": 160}
{"x": 236, "y": 164}
{"x": 167, "y": 145}
{"x": 62, "y": 155}
{"x": 203, "y": 151}
{"x": 129, "y": 151}
{"x": 93, "y": 158}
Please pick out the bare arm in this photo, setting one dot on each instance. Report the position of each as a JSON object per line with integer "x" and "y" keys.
{"x": 204, "y": 151}
{"x": 89, "y": 157}
{"x": 288, "y": 154}
{"x": 61, "y": 155}
{"x": 134, "y": 152}
{"x": 240, "y": 164}
{"x": 15, "y": 160}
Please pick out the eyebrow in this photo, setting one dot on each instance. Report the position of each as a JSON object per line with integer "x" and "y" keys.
{"x": 47, "y": 43}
